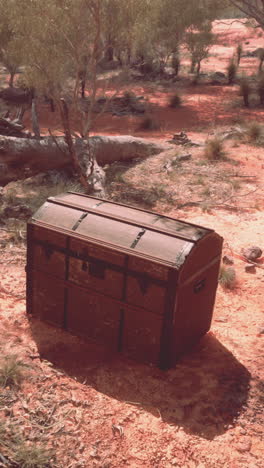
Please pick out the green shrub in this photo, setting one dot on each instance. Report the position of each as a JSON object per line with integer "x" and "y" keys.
{"x": 231, "y": 72}
{"x": 175, "y": 101}
{"x": 214, "y": 149}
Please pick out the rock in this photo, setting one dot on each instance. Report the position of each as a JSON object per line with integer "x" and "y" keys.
{"x": 260, "y": 331}
{"x": 216, "y": 75}
{"x": 182, "y": 139}
{"x": 17, "y": 212}
{"x": 228, "y": 260}
{"x": 250, "y": 268}
{"x": 168, "y": 166}
{"x": 244, "y": 445}
{"x": 233, "y": 132}
{"x": 252, "y": 253}
{"x": 183, "y": 157}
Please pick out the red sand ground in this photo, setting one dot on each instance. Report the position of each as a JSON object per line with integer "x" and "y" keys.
{"x": 205, "y": 413}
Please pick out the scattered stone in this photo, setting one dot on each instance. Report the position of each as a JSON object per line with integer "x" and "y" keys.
{"x": 250, "y": 268}
{"x": 218, "y": 74}
{"x": 218, "y": 78}
{"x": 260, "y": 331}
{"x": 168, "y": 166}
{"x": 182, "y": 139}
{"x": 233, "y": 132}
{"x": 252, "y": 253}
{"x": 244, "y": 445}
{"x": 184, "y": 157}
{"x": 228, "y": 260}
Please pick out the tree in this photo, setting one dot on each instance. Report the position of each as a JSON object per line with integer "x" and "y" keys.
{"x": 251, "y": 8}
{"x": 9, "y": 54}
{"x": 198, "y": 42}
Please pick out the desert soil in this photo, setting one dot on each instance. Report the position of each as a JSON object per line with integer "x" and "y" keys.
{"x": 207, "y": 411}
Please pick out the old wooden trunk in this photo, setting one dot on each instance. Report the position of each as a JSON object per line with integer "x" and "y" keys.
{"x": 138, "y": 282}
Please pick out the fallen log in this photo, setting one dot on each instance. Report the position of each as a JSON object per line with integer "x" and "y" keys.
{"x": 21, "y": 158}
{"x": 12, "y": 128}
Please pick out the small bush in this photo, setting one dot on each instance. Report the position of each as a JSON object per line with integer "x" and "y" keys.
{"x": 214, "y": 149}
{"x": 11, "y": 371}
{"x": 254, "y": 132}
{"x": 245, "y": 90}
{"x": 129, "y": 97}
{"x": 231, "y": 72}
{"x": 149, "y": 123}
{"x": 227, "y": 277}
{"x": 32, "y": 456}
{"x": 175, "y": 101}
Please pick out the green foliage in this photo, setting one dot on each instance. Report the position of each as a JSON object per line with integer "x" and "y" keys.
{"x": 214, "y": 149}
{"x": 231, "y": 71}
{"x": 198, "y": 42}
{"x": 12, "y": 371}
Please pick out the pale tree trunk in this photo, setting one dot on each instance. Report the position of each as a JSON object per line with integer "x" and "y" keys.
{"x": 21, "y": 158}
{"x": 34, "y": 118}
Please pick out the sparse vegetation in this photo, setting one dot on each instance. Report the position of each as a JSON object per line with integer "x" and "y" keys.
{"x": 12, "y": 371}
{"x": 176, "y": 63}
{"x": 227, "y": 277}
{"x": 32, "y": 456}
{"x": 214, "y": 149}
{"x": 231, "y": 72}
{"x": 24, "y": 454}
{"x": 254, "y": 132}
{"x": 245, "y": 90}
{"x": 260, "y": 89}
{"x": 149, "y": 122}
{"x": 239, "y": 51}
{"x": 175, "y": 101}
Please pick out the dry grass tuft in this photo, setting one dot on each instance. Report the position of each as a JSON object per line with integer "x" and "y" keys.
{"x": 12, "y": 371}
{"x": 254, "y": 132}
{"x": 227, "y": 277}
{"x": 214, "y": 149}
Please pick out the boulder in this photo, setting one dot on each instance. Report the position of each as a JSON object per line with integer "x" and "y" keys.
{"x": 252, "y": 253}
